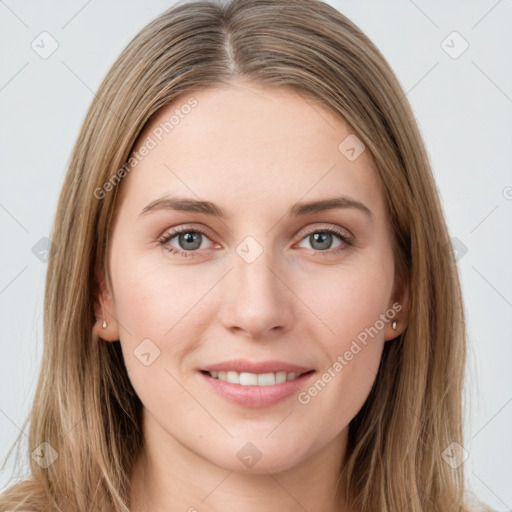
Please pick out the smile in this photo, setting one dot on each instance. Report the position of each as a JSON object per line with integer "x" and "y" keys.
{"x": 255, "y": 379}
{"x": 255, "y": 390}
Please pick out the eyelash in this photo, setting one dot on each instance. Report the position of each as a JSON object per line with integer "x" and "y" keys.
{"x": 347, "y": 241}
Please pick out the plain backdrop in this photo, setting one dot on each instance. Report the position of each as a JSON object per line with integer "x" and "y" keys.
{"x": 453, "y": 60}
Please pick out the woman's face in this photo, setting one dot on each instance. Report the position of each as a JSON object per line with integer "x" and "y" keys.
{"x": 258, "y": 284}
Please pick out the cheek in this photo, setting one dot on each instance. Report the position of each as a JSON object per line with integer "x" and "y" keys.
{"x": 152, "y": 295}
{"x": 157, "y": 312}
{"x": 160, "y": 302}
{"x": 348, "y": 322}
{"x": 353, "y": 346}
{"x": 347, "y": 301}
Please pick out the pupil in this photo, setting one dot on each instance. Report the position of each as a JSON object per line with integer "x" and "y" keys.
{"x": 189, "y": 238}
{"x": 322, "y": 238}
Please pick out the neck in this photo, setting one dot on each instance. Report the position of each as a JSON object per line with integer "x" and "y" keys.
{"x": 171, "y": 478}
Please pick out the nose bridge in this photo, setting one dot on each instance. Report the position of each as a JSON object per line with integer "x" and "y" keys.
{"x": 256, "y": 300}
{"x": 255, "y": 276}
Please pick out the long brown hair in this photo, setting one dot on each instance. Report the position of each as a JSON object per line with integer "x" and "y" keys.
{"x": 85, "y": 406}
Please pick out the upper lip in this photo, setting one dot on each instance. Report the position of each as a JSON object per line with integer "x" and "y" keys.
{"x": 244, "y": 365}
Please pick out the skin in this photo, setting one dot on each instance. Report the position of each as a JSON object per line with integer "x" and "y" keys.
{"x": 254, "y": 151}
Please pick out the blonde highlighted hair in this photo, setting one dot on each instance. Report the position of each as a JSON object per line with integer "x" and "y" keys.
{"x": 85, "y": 406}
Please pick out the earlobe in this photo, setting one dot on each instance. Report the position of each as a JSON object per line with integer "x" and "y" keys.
{"x": 394, "y": 329}
{"x": 399, "y": 314}
{"x": 106, "y": 325}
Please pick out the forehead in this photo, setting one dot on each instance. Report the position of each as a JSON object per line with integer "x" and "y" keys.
{"x": 245, "y": 145}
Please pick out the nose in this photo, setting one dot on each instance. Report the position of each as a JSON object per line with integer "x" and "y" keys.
{"x": 256, "y": 300}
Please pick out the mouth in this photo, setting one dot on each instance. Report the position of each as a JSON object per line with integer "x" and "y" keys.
{"x": 256, "y": 389}
{"x": 255, "y": 379}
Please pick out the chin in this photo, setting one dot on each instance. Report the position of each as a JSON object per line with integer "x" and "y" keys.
{"x": 256, "y": 457}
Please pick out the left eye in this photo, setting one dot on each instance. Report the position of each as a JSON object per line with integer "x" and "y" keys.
{"x": 322, "y": 240}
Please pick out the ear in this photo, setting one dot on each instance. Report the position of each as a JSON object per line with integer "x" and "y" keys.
{"x": 398, "y": 310}
{"x": 104, "y": 308}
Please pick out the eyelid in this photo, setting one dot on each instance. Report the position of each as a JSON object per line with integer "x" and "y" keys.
{"x": 180, "y": 228}
{"x": 204, "y": 230}
{"x": 323, "y": 227}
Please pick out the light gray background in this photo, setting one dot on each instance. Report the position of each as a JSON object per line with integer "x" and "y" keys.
{"x": 463, "y": 106}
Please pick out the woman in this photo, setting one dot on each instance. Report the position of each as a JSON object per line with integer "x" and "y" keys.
{"x": 251, "y": 299}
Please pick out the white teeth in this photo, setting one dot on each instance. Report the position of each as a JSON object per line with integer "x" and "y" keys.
{"x": 248, "y": 379}
{"x": 280, "y": 377}
{"x": 233, "y": 377}
{"x": 255, "y": 379}
{"x": 266, "y": 379}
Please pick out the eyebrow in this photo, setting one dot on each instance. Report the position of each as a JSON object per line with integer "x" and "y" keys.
{"x": 178, "y": 203}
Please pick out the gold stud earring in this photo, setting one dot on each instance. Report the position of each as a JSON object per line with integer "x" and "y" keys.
{"x": 104, "y": 321}
{"x": 394, "y": 325}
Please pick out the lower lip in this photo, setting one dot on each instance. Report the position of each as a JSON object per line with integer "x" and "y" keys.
{"x": 256, "y": 396}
